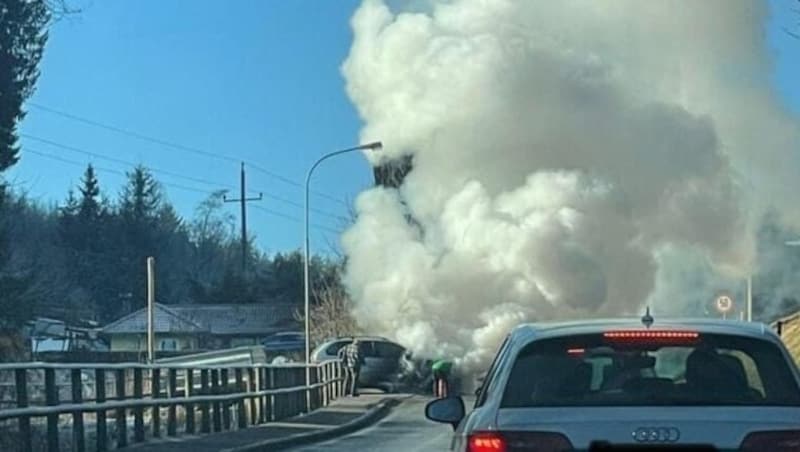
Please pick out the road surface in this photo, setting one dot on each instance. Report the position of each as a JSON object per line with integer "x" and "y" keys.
{"x": 403, "y": 430}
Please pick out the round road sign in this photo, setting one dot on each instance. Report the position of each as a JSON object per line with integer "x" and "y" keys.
{"x": 724, "y": 303}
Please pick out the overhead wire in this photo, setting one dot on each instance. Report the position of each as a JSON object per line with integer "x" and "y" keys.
{"x": 217, "y": 185}
{"x": 295, "y": 219}
{"x": 177, "y": 186}
{"x": 178, "y": 146}
{"x": 110, "y": 170}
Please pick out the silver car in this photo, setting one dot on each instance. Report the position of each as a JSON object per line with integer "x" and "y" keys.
{"x": 693, "y": 383}
{"x": 383, "y": 360}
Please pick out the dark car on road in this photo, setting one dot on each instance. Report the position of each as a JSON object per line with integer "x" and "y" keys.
{"x": 289, "y": 341}
{"x": 383, "y": 360}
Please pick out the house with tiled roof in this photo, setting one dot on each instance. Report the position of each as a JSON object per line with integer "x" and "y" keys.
{"x": 173, "y": 331}
{"x": 194, "y": 327}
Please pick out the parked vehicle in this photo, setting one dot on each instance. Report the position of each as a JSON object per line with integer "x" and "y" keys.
{"x": 559, "y": 387}
{"x": 289, "y": 341}
{"x": 383, "y": 360}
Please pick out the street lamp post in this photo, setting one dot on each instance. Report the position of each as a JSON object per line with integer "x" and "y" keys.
{"x": 749, "y": 298}
{"x": 375, "y": 146}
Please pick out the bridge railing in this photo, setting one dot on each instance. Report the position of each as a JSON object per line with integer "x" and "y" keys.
{"x": 98, "y": 407}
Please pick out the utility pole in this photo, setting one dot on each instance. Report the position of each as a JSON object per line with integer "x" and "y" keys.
{"x": 749, "y": 298}
{"x": 151, "y": 300}
{"x": 243, "y": 199}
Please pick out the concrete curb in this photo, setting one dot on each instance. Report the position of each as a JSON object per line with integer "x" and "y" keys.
{"x": 370, "y": 417}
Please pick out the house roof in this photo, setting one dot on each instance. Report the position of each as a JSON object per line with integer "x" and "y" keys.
{"x": 165, "y": 319}
{"x": 251, "y": 319}
{"x": 217, "y": 319}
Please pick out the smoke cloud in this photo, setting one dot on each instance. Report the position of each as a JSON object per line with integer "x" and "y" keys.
{"x": 568, "y": 156}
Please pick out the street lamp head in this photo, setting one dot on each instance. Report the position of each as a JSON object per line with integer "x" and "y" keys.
{"x": 792, "y": 243}
{"x": 375, "y": 146}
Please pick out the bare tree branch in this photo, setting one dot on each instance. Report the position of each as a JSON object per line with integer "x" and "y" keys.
{"x": 332, "y": 315}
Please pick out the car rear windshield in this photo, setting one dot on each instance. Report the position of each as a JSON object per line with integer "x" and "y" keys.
{"x": 624, "y": 369}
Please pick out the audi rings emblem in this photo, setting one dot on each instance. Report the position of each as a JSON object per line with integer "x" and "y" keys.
{"x": 656, "y": 435}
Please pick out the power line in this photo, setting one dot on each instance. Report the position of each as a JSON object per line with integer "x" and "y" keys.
{"x": 110, "y": 170}
{"x": 296, "y": 184}
{"x": 300, "y": 206}
{"x": 162, "y": 142}
{"x": 217, "y": 185}
{"x": 120, "y": 161}
{"x": 177, "y": 186}
{"x": 295, "y": 219}
{"x": 131, "y": 133}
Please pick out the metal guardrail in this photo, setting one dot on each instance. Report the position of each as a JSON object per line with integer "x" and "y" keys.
{"x": 211, "y": 396}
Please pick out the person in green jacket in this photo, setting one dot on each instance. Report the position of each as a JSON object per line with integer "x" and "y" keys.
{"x": 441, "y": 377}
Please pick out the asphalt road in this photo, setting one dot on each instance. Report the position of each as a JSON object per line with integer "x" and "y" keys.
{"x": 403, "y": 430}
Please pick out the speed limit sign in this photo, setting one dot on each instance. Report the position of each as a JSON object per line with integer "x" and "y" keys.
{"x": 724, "y": 303}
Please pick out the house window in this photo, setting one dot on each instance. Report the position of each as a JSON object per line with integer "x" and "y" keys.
{"x": 168, "y": 344}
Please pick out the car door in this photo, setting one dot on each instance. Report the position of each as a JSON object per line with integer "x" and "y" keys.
{"x": 387, "y": 360}
{"x": 490, "y": 384}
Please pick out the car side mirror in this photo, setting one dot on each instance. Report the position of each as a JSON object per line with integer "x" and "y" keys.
{"x": 446, "y": 411}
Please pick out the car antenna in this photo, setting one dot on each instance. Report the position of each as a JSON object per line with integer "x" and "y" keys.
{"x": 647, "y": 319}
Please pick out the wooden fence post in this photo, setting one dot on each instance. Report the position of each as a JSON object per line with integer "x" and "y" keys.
{"x": 271, "y": 398}
{"x": 205, "y": 425}
{"x": 325, "y": 381}
{"x": 51, "y": 399}
{"x": 155, "y": 393}
{"x": 138, "y": 412}
{"x": 263, "y": 401}
{"x": 216, "y": 405}
{"x": 122, "y": 414}
{"x": 172, "y": 410}
{"x": 241, "y": 414}
{"x": 252, "y": 388}
{"x": 189, "y": 391}
{"x": 21, "y": 385}
{"x": 100, "y": 415}
{"x": 76, "y": 385}
{"x": 226, "y": 406}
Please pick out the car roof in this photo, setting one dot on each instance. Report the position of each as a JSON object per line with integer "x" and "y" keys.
{"x": 334, "y": 340}
{"x": 360, "y": 338}
{"x": 530, "y": 331}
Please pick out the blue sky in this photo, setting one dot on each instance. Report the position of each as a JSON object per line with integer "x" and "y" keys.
{"x": 258, "y": 80}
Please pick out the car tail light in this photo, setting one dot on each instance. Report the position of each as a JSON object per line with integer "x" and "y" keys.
{"x": 775, "y": 441}
{"x": 487, "y": 442}
{"x": 518, "y": 441}
{"x": 651, "y": 336}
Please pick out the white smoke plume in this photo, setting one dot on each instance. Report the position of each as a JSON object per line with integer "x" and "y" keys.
{"x": 560, "y": 147}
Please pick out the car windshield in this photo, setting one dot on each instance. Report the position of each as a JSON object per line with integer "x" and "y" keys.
{"x": 593, "y": 370}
